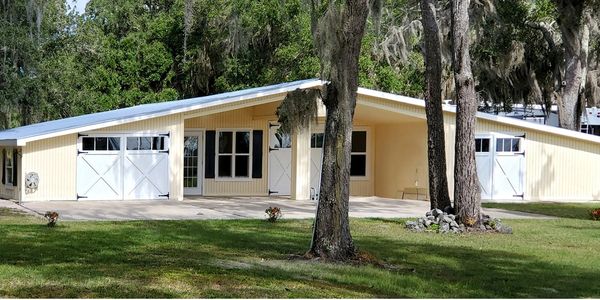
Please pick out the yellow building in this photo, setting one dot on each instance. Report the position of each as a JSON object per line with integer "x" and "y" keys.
{"x": 228, "y": 145}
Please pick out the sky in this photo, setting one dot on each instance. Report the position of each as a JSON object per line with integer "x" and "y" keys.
{"x": 79, "y": 5}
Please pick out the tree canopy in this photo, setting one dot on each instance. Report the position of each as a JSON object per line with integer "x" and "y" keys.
{"x": 56, "y": 64}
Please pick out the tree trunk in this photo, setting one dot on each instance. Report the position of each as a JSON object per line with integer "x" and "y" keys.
{"x": 331, "y": 236}
{"x": 436, "y": 142}
{"x": 572, "y": 27}
{"x": 467, "y": 195}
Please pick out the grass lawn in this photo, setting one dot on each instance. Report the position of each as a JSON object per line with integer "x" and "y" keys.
{"x": 248, "y": 258}
{"x": 562, "y": 210}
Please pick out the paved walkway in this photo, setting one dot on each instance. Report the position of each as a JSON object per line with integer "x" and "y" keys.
{"x": 236, "y": 208}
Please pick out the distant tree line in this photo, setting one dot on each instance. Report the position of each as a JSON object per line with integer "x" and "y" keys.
{"x": 56, "y": 64}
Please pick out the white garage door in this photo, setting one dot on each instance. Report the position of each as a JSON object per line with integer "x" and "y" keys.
{"x": 500, "y": 166}
{"x": 123, "y": 167}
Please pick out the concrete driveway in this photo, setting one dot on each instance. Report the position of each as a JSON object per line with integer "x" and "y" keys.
{"x": 202, "y": 208}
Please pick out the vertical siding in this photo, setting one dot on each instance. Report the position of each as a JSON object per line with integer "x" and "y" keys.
{"x": 450, "y": 135}
{"x": 558, "y": 168}
{"x": 236, "y": 119}
{"x": 400, "y": 158}
{"x": 55, "y": 161}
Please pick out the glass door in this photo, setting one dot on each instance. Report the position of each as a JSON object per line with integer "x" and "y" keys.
{"x": 193, "y": 144}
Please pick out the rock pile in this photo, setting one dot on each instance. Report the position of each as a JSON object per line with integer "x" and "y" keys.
{"x": 436, "y": 220}
{"x": 442, "y": 222}
{"x": 492, "y": 224}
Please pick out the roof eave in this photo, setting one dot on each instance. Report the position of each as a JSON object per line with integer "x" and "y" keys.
{"x": 480, "y": 115}
{"x": 307, "y": 85}
{"x": 11, "y": 143}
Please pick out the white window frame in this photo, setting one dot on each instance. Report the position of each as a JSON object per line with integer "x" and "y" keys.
{"x": 9, "y": 160}
{"x": 233, "y": 154}
{"x": 367, "y": 129}
{"x": 511, "y": 152}
{"x": 94, "y": 136}
{"x": 166, "y": 139}
{"x": 491, "y": 145}
{"x": 366, "y": 154}
{"x": 123, "y": 136}
{"x": 201, "y": 157}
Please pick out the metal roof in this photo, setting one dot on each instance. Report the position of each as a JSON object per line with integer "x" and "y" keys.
{"x": 486, "y": 116}
{"x": 21, "y": 135}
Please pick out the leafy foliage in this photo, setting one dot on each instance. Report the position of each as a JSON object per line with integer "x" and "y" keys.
{"x": 55, "y": 63}
{"x": 273, "y": 214}
{"x": 298, "y": 109}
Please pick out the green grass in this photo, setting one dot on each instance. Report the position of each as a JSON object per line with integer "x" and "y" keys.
{"x": 562, "y": 210}
{"x": 249, "y": 258}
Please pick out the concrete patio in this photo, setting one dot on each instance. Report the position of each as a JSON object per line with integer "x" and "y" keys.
{"x": 203, "y": 208}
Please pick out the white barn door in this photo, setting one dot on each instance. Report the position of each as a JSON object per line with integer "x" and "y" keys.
{"x": 484, "y": 157}
{"x": 316, "y": 164}
{"x": 280, "y": 162}
{"x": 123, "y": 167}
{"x": 509, "y": 168}
{"x": 500, "y": 166}
{"x": 100, "y": 172}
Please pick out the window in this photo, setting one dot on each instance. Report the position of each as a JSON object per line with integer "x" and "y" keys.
{"x": 101, "y": 144}
{"x": 8, "y": 168}
{"x": 282, "y": 140}
{"x": 147, "y": 143}
{"x": 316, "y": 140}
{"x": 358, "y": 161}
{"x": 482, "y": 145}
{"x": 508, "y": 145}
{"x": 190, "y": 162}
{"x": 233, "y": 154}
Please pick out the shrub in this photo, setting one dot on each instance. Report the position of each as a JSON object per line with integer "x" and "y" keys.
{"x": 273, "y": 213}
{"x": 595, "y": 214}
{"x": 52, "y": 218}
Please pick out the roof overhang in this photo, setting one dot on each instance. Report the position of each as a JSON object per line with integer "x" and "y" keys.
{"x": 484, "y": 116}
{"x": 10, "y": 143}
{"x": 306, "y": 84}
{"x": 194, "y": 106}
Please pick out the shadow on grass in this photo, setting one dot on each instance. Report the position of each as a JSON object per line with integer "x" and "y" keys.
{"x": 133, "y": 259}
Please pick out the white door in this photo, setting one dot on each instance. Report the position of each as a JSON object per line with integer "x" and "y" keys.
{"x": 509, "y": 168}
{"x": 316, "y": 164}
{"x": 100, "y": 168}
{"x": 193, "y": 162}
{"x": 484, "y": 157}
{"x": 280, "y": 162}
{"x": 123, "y": 166}
{"x": 146, "y": 168}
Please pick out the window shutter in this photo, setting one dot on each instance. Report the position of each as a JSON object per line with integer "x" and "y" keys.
{"x": 15, "y": 168}
{"x": 3, "y": 166}
{"x": 257, "y": 153}
{"x": 209, "y": 157}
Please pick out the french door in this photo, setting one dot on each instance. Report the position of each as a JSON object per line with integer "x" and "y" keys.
{"x": 193, "y": 162}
